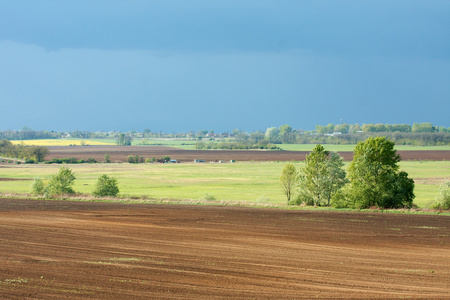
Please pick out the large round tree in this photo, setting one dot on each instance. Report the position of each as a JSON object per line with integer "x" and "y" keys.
{"x": 374, "y": 176}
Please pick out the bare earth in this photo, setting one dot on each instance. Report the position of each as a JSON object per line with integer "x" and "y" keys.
{"x": 120, "y": 154}
{"x": 62, "y": 249}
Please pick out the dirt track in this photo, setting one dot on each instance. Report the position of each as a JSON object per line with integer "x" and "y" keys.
{"x": 53, "y": 249}
{"x": 120, "y": 154}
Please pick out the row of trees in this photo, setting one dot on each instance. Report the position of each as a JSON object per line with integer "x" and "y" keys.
{"x": 423, "y": 134}
{"x": 373, "y": 178}
{"x": 246, "y": 145}
{"x": 137, "y": 159}
{"x": 62, "y": 183}
{"x": 28, "y": 153}
{"x": 380, "y": 127}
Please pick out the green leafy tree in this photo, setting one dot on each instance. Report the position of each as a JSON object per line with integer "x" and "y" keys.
{"x": 61, "y": 183}
{"x": 286, "y": 134}
{"x": 124, "y": 140}
{"x": 121, "y": 139}
{"x": 313, "y": 176}
{"x": 39, "y": 152}
{"x": 336, "y": 176}
{"x": 288, "y": 180}
{"x": 374, "y": 176}
{"x": 106, "y": 186}
{"x": 272, "y": 134}
{"x": 107, "y": 158}
{"x": 147, "y": 132}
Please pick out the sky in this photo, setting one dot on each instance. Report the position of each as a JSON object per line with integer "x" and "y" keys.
{"x": 179, "y": 66}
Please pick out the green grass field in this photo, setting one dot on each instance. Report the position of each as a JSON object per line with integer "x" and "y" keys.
{"x": 255, "y": 182}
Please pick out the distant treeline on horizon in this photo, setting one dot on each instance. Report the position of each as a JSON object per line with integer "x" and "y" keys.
{"x": 416, "y": 134}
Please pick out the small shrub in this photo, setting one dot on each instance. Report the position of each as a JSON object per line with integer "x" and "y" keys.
{"x": 106, "y": 186}
{"x": 301, "y": 199}
{"x": 263, "y": 199}
{"x": 208, "y": 197}
{"x": 37, "y": 187}
{"x": 91, "y": 160}
{"x": 30, "y": 161}
{"x": 339, "y": 200}
{"x": 443, "y": 197}
{"x": 107, "y": 158}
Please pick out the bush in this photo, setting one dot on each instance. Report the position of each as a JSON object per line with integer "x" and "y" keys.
{"x": 30, "y": 161}
{"x": 37, "y": 187}
{"x": 64, "y": 160}
{"x": 208, "y": 197}
{"x": 61, "y": 183}
{"x": 91, "y": 160}
{"x": 263, "y": 199}
{"x": 107, "y": 158}
{"x": 106, "y": 186}
{"x": 443, "y": 197}
{"x": 339, "y": 200}
{"x": 300, "y": 199}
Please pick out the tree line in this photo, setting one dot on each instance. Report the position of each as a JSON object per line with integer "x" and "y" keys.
{"x": 30, "y": 154}
{"x": 283, "y": 133}
{"x": 420, "y": 134}
{"x": 373, "y": 178}
{"x": 235, "y": 145}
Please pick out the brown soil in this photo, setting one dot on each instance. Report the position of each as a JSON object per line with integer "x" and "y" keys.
{"x": 120, "y": 154}
{"x": 61, "y": 249}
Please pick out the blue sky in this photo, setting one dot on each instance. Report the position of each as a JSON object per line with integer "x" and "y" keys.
{"x": 190, "y": 65}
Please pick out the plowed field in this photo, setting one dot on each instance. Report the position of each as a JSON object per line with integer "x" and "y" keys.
{"x": 61, "y": 249}
{"x": 120, "y": 154}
